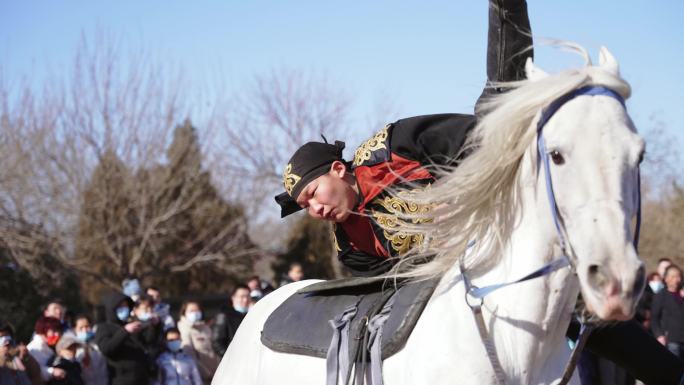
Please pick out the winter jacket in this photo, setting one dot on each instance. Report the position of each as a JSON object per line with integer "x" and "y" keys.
{"x": 643, "y": 309}
{"x": 95, "y": 373}
{"x": 667, "y": 316}
{"x": 226, "y": 324}
{"x": 72, "y": 369}
{"x": 151, "y": 338}
{"x": 127, "y": 358}
{"x": 14, "y": 371}
{"x": 19, "y": 371}
{"x": 43, "y": 354}
{"x": 177, "y": 369}
{"x": 197, "y": 343}
{"x": 9, "y": 376}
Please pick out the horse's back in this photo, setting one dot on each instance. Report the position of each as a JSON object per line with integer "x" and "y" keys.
{"x": 243, "y": 360}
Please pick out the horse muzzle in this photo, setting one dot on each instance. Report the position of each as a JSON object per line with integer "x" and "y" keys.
{"x": 612, "y": 293}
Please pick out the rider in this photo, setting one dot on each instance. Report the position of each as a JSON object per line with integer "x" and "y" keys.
{"x": 403, "y": 154}
{"x": 318, "y": 179}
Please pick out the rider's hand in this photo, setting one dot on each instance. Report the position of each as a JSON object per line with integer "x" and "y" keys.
{"x": 133, "y": 327}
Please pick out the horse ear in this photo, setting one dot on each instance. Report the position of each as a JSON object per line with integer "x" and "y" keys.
{"x": 533, "y": 72}
{"x": 607, "y": 61}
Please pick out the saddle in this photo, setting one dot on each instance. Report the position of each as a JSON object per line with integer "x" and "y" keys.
{"x": 349, "y": 322}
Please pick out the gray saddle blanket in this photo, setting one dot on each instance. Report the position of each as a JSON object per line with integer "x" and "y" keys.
{"x": 301, "y": 324}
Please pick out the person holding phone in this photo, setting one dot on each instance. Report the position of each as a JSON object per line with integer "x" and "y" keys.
{"x": 119, "y": 341}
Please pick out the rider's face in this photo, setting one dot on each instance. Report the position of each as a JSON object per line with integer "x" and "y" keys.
{"x": 330, "y": 196}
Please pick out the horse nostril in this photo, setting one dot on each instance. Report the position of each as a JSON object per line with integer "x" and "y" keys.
{"x": 639, "y": 280}
{"x": 595, "y": 276}
{"x": 593, "y": 270}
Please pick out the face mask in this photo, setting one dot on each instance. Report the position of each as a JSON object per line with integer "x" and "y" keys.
{"x": 122, "y": 313}
{"x": 656, "y": 286}
{"x": 240, "y": 309}
{"x": 5, "y": 340}
{"x": 85, "y": 336}
{"x": 256, "y": 294}
{"x": 52, "y": 340}
{"x": 174, "y": 345}
{"x": 193, "y": 316}
{"x": 144, "y": 317}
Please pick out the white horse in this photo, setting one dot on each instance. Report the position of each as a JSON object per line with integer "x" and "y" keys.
{"x": 497, "y": 195}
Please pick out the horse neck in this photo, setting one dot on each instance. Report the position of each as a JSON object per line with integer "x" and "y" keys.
{"x": 528, "y": 320}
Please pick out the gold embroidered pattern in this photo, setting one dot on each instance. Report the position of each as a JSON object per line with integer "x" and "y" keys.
{"x": 396, "y": 208}
{"x": 377, "y": 142}
{"x": 290, "y": 179}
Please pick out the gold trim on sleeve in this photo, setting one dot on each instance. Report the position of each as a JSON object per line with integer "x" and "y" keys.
{"x": 334, "y": 237}
{"x": 397, "y": 207}
{"x": 377, "y": 142}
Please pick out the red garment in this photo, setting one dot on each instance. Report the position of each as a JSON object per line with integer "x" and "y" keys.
{"x": 373, "y": 180}
{"x": 396, "y": 158}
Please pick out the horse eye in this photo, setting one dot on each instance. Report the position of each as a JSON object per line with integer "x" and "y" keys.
{"x": 557, "y": 158}
{"x": 641, "y": 156}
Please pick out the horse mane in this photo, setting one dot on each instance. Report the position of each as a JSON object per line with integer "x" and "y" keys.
{"x": 477, "y": 199}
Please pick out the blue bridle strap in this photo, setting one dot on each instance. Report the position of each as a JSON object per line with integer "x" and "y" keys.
{"x": 546, "y": 115}
{"x": 552, "y": 108}
{"x": 637, "y": 226}
{"x": 481, "y": 292}
{"x": 563, "y": 261}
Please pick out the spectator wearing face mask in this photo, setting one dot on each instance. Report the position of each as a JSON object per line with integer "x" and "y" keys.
{"x": 47, "y": 332}
{"x": 17, "y": 366}
{"x": 175, "y": 366}
{"x": 93, "y": 363}
{"x": 66, "y": 360}
{"x": 161, "y": 309}
{"x": 228, "y": 320}
{"x": 196, "y": 337}
{"x": 127, "y": 360}
{"x": 151, "y": 337}
{"x": 643, "y": 309}
{"x": 255, "y": 292}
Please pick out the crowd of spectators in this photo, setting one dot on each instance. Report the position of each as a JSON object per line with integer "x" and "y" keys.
{"x": 138, "y": 343}
{"x": 661, "y": 309}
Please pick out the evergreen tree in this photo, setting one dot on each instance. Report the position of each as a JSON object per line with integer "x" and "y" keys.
{"x": 165, "y": 225}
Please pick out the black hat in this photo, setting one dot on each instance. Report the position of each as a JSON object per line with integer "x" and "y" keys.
{"x": 308, "y": 163}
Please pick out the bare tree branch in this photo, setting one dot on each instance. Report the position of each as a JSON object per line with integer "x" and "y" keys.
{"x": 86, "y": 175}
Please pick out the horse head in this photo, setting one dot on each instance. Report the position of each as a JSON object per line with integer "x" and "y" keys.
{"x": 594, "y": 153}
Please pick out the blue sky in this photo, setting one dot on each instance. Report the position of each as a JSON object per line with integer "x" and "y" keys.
{"x": 427, "y": 56}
